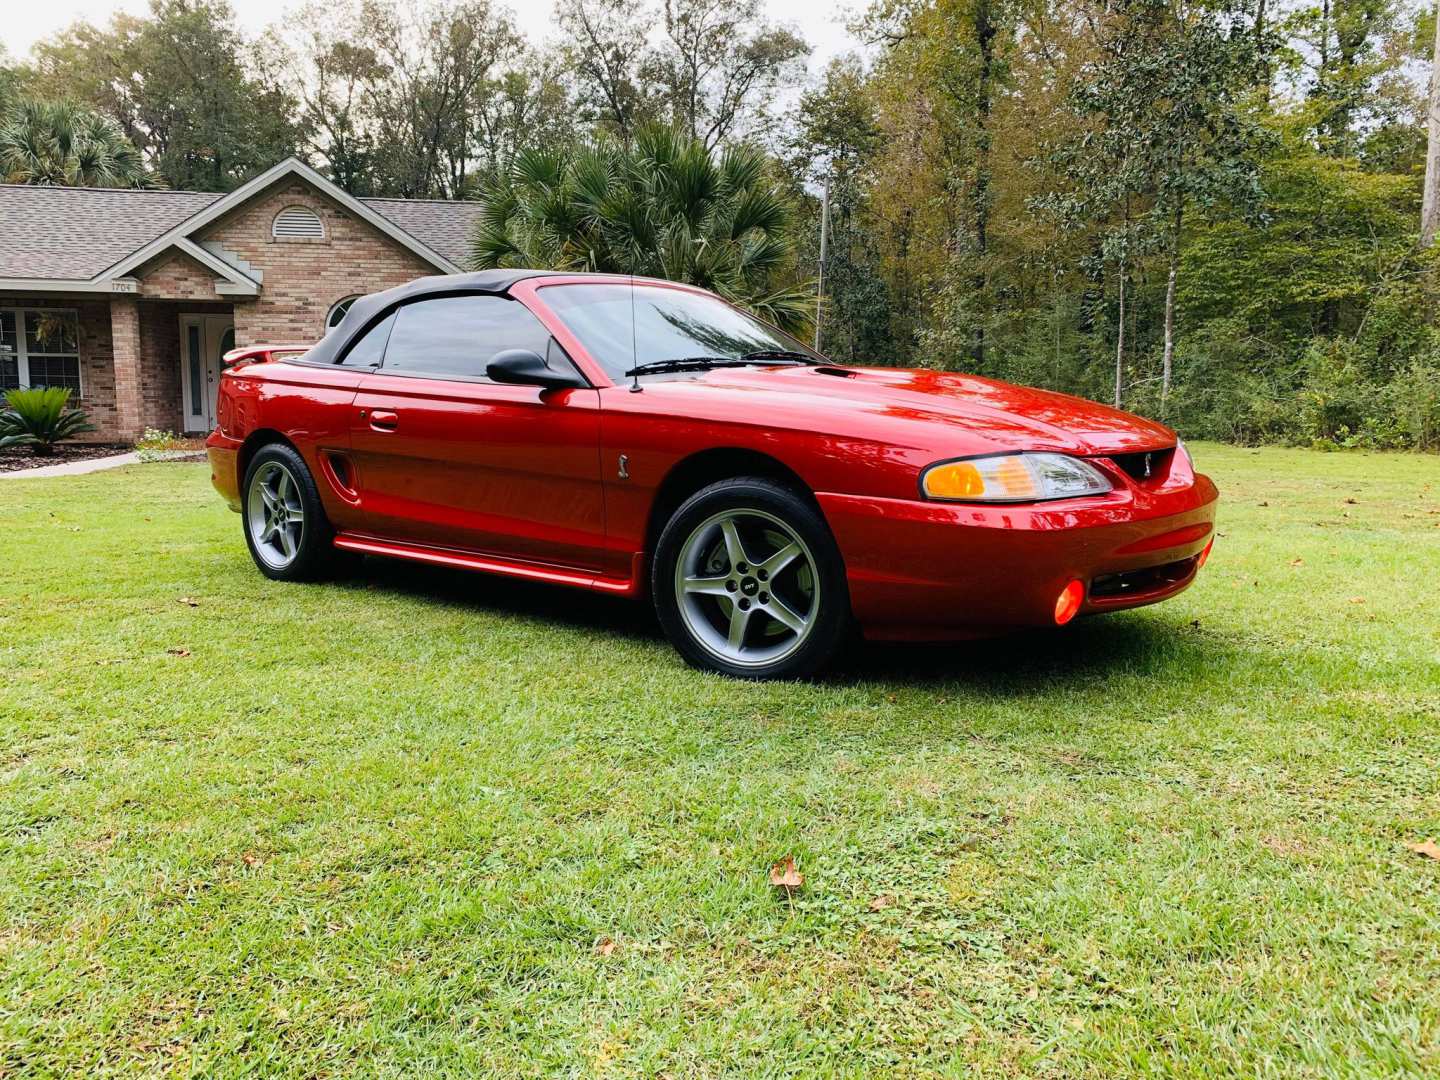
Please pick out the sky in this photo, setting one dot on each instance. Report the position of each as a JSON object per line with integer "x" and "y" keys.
{"x": 821, "y": 22}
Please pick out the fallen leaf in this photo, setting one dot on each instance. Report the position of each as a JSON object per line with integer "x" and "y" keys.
{"x": 250, "y": 859}
{"x": 1350, "y": 502}
{"x": 1264, "y": 504}
{"x": 1429, "y": 848}
{"x": 1357, "y": 599}
{"x": 189, "y": 601}
{"x": 1297, "y": 562}
{"x": 784, "y": 875}
{"x": 880, "y": 903}
{"x": 178, "y": 652}
{"x": 605, "y": 946}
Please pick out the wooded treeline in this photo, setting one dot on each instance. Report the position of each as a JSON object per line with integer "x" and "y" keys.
{"x": 1207, "y": 211}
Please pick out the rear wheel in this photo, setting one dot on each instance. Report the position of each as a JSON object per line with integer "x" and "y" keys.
{"x": 285, "y": 525}
{"x": 748, "y": 581}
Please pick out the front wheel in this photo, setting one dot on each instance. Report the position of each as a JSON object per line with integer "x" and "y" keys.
{"x": 748, "y": 581}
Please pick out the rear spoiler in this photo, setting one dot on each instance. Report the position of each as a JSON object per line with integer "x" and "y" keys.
{"x": 261, "y": 354}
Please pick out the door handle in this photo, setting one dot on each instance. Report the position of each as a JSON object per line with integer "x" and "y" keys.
{"x": 384, "y": 420}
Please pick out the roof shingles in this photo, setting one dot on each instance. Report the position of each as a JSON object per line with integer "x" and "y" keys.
{"x": 75, "y": 233}
{"x": 60, "y": 233}
{"x": 442, "y": 226}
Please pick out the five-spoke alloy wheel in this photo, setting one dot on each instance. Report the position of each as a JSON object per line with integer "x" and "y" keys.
{"x": 276, "y": 517}
{"x": 748, "y": 581}
{"x": 285, "y": 525}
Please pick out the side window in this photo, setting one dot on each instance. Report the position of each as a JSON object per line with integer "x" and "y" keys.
{"x": 457, "y": 335}
{"x": 370, "y": 349}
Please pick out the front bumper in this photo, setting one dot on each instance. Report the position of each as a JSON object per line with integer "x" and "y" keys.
{"x": 931, "y": 571}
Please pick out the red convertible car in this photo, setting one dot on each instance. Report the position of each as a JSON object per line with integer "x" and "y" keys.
{"x": 634, "y": 436}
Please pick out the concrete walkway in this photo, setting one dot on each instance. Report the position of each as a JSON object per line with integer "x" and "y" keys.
{"x": 72, "y": 468}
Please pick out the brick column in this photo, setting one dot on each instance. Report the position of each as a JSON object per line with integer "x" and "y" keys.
{"x": 125, "y": 339}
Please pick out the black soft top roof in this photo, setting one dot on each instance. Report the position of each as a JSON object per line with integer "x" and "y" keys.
{"x": 364, "y": 311}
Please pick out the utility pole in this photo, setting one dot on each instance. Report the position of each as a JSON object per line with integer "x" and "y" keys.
{"x": 824, "y": 251}
{"x": 1430, "y": 207}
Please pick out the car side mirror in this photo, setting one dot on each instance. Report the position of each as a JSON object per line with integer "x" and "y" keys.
{"x": 525, "y": 368}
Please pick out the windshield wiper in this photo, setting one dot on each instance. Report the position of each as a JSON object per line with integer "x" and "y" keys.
{"x": 687, "y": 363}
{"x": 778, "y": 355}
{"x": 705, "y": 363}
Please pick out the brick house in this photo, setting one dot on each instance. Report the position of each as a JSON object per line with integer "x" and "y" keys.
{"x": 130, "y": 298}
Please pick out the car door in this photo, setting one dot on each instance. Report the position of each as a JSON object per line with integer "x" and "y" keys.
{"x": 447, "y": 458}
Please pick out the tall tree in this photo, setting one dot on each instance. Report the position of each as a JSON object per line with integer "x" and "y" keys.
{"x": 604, "y": 43}
{"x": 712, "y": 74}
{"x": 1162, "y": 125}
{"x": 1430, "y": 208}
{"x": 528, "y": 105}
{"x": 720, "y": 64}
{"x": 332, "y": 70}
{"x": 832, "y": 145}
{"x": 9, "y": 82}
{"x": 416, "y": 101}
{"x": 947, "y": 66}
{"x": 439, "y": 61}
{"x": 178, "y": 84}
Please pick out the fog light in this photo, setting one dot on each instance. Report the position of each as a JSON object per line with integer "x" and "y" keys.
{"x": 1205, "y": 555}
{"x": 1068, "y": 602}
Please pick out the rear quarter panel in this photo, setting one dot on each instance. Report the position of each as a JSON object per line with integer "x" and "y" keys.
{"x": 308, "y": 405}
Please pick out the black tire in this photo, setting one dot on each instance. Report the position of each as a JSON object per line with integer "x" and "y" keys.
{"x": 764, "y": 511}
{"x": 314, "y": 555}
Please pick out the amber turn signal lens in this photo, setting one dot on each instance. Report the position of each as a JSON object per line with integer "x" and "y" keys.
{"x": 1068, "y": 603}
{"x": 1009, "y": 478}
{"x": 959, "y": 480}
{"x": 1205, "y": 555}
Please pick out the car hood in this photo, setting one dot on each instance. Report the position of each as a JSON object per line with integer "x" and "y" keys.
{"x": 993, "y": 414}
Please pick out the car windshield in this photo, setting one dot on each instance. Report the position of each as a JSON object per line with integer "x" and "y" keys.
{"x": 624, "y": 327}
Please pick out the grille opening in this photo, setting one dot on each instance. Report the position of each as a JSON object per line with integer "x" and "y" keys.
{"x": 1140, "y": 582}
{"x": 1145, "y": 466}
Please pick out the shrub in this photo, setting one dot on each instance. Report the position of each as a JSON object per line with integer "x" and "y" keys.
{"x": 155, "y": 444}
{"x": 40, "y": 417}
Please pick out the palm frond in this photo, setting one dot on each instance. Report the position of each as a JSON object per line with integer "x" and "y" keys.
{"x": 663, "y": 206}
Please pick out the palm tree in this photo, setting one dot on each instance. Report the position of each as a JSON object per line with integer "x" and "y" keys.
{"x": 663, "y": 206}
{"x": 44, "y": 142}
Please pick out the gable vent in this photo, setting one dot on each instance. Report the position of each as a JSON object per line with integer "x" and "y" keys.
{"x": 298, "y": 223}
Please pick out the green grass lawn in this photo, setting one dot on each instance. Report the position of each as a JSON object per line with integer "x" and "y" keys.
{"x": 423, "y": 822}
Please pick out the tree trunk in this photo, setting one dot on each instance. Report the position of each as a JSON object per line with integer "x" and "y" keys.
{"x": 1170, "y": 313}
{"x": 1268, "y": 74}
{"x": 985, "y": 32}
{"x": 1430, "y": 208}
{"x": 1120, "y": 339}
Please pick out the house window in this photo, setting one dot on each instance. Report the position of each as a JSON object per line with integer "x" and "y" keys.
{"x": 297, "y": 223}
{"x": 338, "y": 312}
{"x": 39, "y": 347}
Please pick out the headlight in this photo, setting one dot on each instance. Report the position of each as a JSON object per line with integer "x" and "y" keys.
{"x": 1013, "y": 478}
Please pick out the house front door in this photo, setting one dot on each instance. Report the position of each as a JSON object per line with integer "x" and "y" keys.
{"x": 204, "y": 339}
